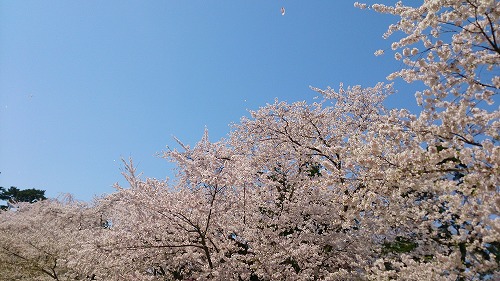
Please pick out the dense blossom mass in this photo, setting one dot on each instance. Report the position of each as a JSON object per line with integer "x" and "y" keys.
{"x": 340, "y": 189}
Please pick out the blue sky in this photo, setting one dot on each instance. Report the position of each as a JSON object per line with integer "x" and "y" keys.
{"x": 85, "y": 83}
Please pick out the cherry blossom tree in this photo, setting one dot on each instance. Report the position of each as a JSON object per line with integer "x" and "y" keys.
{"x": 45, "y": 240}
{"x": 452, "y": 47}
{"x": 311, "y": 222}
{"x": 177, "y": 232}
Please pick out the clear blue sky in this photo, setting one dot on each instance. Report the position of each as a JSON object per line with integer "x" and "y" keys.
{"x": 85, "y": 83}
